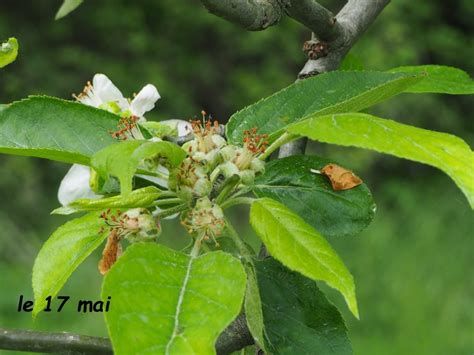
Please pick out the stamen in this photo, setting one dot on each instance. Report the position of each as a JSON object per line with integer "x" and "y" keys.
{"x": 126, "y": 127}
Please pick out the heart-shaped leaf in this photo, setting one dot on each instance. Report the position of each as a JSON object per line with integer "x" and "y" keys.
{"x": 166, "y": 302}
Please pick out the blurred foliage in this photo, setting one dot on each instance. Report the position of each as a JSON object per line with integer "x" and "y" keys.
{"x": 412, "y": 266}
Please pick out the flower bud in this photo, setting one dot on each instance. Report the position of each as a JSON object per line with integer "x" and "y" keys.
{"x": 228, "y": 169}
{"x": 202, "y": 187}
{"x": 247, "y": 177}
{"x": 140, "y": 225}
{"x": 206, "y": 219}
{"x": 227, "y": 153}
{"x": 257, "y": 165}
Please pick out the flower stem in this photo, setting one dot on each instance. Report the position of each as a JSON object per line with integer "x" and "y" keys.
{"x": 237, "y": 201}
{"x": 283, "y": 139}
{"x": 171, "y": 211}
{"x": 243, "y": 250}
{"x": 228, "y": 187}
{"x": 196, "y": 247}
{"x": 167, "y": 201}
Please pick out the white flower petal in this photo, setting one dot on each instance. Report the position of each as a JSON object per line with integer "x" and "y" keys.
{"x": 105, "y": 90}
{"x": 144, "y": 101}
{"x": 75, "y": 184}
{"x": 183, "y": 127}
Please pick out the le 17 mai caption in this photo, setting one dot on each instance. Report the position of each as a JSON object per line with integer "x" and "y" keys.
{"x": 57, "y": 305}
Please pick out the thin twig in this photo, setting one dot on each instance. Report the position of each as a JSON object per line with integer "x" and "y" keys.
{"x": 46, "y": 342}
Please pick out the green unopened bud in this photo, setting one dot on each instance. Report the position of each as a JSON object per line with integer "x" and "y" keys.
{"x": 140, "y": 225}
{"x": 257, "y": 165}
{"x": 228, "y": 169}
{"x": 247, "y": 177}
{"x": 206, "y": 219}
{"x": 184, "y": 192}
{"x": 227, "y": 153}
{"x": 202, "y": 187}
{"x": 219, "y": 141}
{"x": 190, "y": 147}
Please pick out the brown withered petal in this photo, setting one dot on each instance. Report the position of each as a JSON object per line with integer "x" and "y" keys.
{"x": 111, "y": 252}
{"x": 341, "y": 178}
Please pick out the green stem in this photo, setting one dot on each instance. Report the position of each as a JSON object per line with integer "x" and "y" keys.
{"x": 154, "y": 174}
{"x": 243, "y": 250}
{"x": 167, "y": 201}
{"x": 196, "y": 247}
{"x": 283, "y": 139}
{"x": 242, "y": 190}
{"x": 227, "y": 189}
{"x": 237, "y": 201}
{"x": 171, "y": 211}
{"x": 167, "y": 194}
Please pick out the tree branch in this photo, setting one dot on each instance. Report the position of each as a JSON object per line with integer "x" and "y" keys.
{"x": 45, "y": 342}
{"x": 354, "y": 18}
{"x": 237, "y": 336}
{"x": 253, "y": 15}
{"x": 315, "y": 17}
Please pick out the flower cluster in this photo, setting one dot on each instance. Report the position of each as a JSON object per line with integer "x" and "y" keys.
{"x": 136, "y": 225}
{"x": 210, "y": 149}
{"x": 244, "y": 161}
{"x": 212, "y": 171}
{"x": 206, "y": 220}
{"x": 214, "y": 168}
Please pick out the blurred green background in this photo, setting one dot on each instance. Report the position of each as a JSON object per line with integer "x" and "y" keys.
{"x": 413, "y": 265}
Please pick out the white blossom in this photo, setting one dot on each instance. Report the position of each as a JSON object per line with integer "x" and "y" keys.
{"x": 75, "y": 185}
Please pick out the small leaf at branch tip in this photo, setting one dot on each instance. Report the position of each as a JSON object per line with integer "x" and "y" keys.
{"x": 341, "y": 178}
{"x": 8, "y": 51}
{"x": 67, "y": 7}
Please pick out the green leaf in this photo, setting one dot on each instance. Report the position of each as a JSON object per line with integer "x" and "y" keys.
{"x": 122, "y": 160}
{"x": 166, "y": 302}
{"x": 67, "y": 7}
{"x": 62, "y": 253}
{"x": 443, "y": 151}
{"x": 439, "y": 79}
{"x": 333, "y": 213}
{"x": 332, "y": 92}
{"x": 300, "y": 247}
{"x": 143, "y": 197}
{"x": 298, "y": 317}
{"x": 351, "y": 62}
{"x": 55, "y": 129}
{"x": 253, "y": 307}
{"x": 8, "y": 51}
